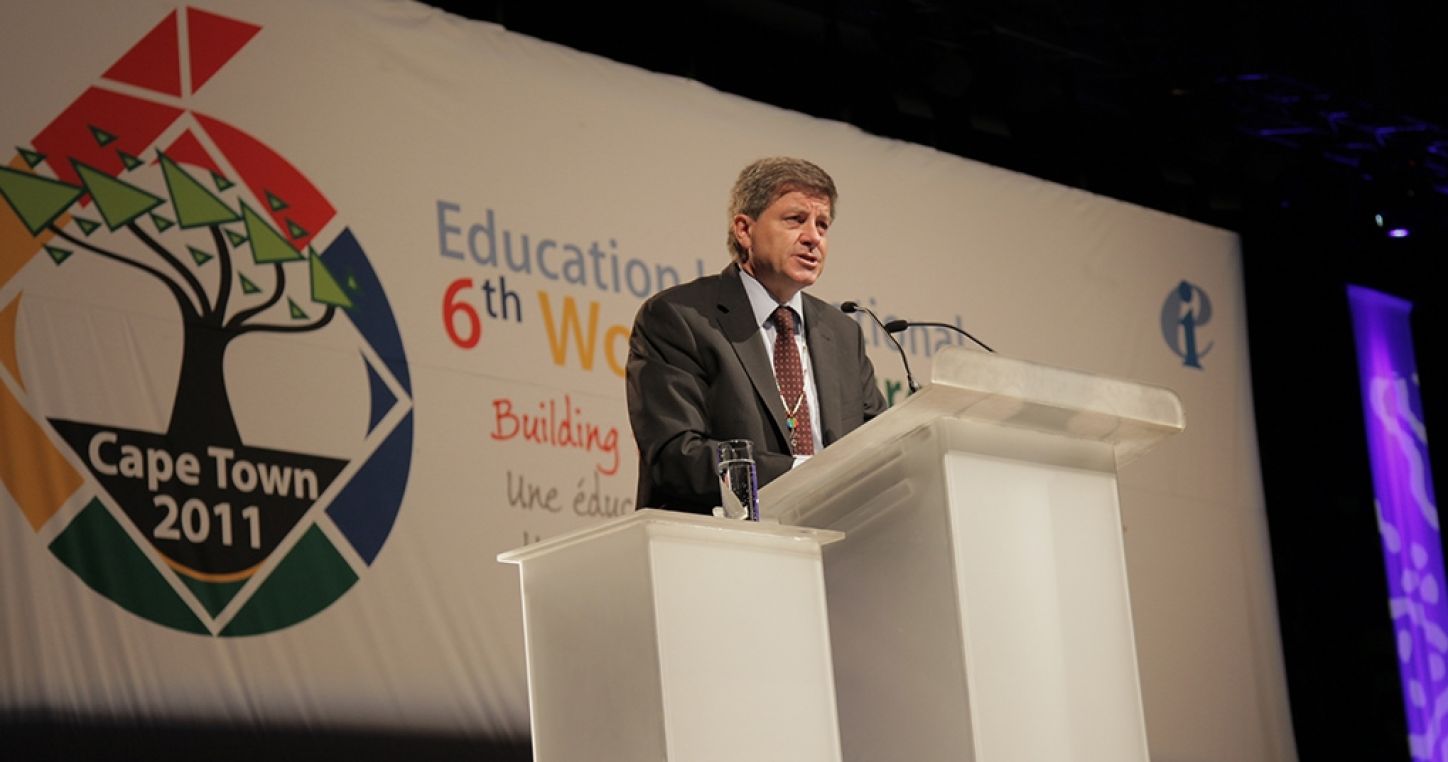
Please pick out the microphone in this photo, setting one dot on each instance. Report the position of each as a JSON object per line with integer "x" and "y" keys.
{"x": 896, "y": 326}
{"x": 851, "y": 307}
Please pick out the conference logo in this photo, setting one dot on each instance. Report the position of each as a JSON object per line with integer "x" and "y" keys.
{"x": 1185, "y": 311}
{"x": 205, "y": 406}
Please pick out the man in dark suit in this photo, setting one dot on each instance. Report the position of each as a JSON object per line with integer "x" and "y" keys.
{"x": 745, "y": 354}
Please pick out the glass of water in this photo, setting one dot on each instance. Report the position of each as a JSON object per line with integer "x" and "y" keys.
{"x": 738, "y": 482}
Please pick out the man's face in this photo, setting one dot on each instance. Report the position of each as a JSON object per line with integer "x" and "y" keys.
{"x": 787, "y": 243}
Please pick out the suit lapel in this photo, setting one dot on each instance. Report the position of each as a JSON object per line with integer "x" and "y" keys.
{"x": 736, "y": 322}
{"x": 820, "y": 338}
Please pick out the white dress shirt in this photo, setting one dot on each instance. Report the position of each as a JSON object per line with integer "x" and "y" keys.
{"x": 764, "y": 306}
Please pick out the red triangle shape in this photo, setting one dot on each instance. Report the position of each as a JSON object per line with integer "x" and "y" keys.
{"x": 213, "y": 41}
{"x": 261, "y": 169}
{"x": 153, "y": 63}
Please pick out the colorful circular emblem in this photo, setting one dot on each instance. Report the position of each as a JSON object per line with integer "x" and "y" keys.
{"x": 205, "y": 406}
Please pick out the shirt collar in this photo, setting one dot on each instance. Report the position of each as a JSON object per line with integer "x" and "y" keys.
{"x": 764, "y": 305}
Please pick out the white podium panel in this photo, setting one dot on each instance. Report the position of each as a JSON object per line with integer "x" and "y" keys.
{"x": 1047, "y": 624}
{"x": 978, "y": 603}
{"x": 667, "y": 636}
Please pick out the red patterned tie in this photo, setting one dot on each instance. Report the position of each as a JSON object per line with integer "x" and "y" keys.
{"x": 790, "y": 375}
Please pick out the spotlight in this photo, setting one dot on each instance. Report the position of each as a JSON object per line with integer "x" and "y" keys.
{"x": 1398, "y": 233}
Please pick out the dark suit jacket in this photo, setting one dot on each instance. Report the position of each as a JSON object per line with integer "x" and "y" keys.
{"x": 698, "y": 373}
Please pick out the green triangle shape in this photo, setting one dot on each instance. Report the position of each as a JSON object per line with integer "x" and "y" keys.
{"x": 222, "y": 184}
{"x": 104, "y": 556}
{"x": 275, "y": 203}
{"x": 118, "y": 201}
{"x": 295, "y": 229}
{"x": 213, "y": 595}
{"x": 87, "y": 226}
{"x": 130, "y": 161}
{"x": 236, "y": 238}
{"x": 325, "y": 289}
{"x": 36, "y": 200}
{"x": 200, "y": 256}
{"x": 58, "y": 254}
{"x": 247, "y": 287}
{"x": 32, "y": 158}
{"x": 160, "y": 222}
{"x": 102, "y": 137}
{"x": 296, "y": 311}
{"x": 267, "y": 245}
{"x": 195, "y": 205}
{"x": 309, "y": 579}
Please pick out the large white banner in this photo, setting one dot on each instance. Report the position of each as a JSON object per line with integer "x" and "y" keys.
{"x": 308, "y": 310}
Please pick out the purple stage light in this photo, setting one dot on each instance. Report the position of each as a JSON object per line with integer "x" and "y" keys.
{"x": 1398, "y": 233}
{"x": 1407, "y": 512}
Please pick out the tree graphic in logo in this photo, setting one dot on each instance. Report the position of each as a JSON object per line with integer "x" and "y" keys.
{"x": 192, "y": 524}
{"x": 212, "y": 318}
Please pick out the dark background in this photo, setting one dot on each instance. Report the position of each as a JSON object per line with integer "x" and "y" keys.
{"x": 1291, "y": 123}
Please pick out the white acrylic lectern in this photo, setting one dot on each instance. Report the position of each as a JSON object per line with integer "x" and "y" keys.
{"x": 978, "y": 603}
{"x": 668, "y": 636}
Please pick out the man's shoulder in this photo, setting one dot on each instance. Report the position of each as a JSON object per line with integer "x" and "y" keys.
{"x": 819, "y": 309}
{"x": 700, "y": 287}
{"x": 701, "y": 290}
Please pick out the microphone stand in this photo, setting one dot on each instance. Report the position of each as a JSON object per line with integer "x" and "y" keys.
{"x": 896, "y": 326}
{"x": 850, "y": 307}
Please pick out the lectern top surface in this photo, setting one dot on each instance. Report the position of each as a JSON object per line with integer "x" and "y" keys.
{"x": 1034, "y": 383}
{"x": 993, "y": 390}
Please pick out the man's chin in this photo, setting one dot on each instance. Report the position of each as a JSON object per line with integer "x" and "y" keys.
{"x": 805, "y": 279}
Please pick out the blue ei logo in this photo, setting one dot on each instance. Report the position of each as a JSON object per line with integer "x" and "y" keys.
{"x": 1187, "y": 308}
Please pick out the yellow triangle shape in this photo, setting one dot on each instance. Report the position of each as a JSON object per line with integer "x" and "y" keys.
{"x": 37, "y": 475}
{"x": 8, "y": 357}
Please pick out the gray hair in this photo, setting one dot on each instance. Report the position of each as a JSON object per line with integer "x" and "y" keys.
{"x": 764, "y": 181}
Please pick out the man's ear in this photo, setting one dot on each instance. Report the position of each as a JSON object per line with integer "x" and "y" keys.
{"x": 742, "y": 227}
